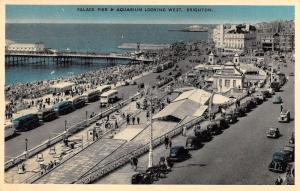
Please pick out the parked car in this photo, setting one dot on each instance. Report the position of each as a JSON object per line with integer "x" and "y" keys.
{"x": 273, "y": 133}
{"x": 221, "y": 122}
{"x": 260, "y": 96}
{"x": 284, "y": 116}
{"x": 230, "y": 117}
{"x": 179, "y": 153}
{"x": 266, "y": 93}
{"x": 276, "y": 99}
{"x": 289, "y": 152}
{"x": 271, "y": 91}
{"x": 202, "y": 132}
{"x": 239, "y": 112}
{"x": 279, "y": 162}
{"x": 193, "y": 143}
{"x": 141, "y": 178}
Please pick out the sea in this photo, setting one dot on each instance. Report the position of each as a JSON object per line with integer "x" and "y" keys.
{"x": 86, "y": 38}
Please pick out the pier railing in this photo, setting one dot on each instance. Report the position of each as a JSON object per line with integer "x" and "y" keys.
{"x": 73, "y": 129}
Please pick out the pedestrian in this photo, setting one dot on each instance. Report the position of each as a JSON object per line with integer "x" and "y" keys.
{"x": 138, "y": 120}
{"x": 278, "y": 181}
{"x": 127, "y": 120}
{"x": 170, "y": 143}
{"x": 281, "y": 107}
{"x": 116, "y": 125}
{"x": 133, "y": 120}
{"x": 166, "y": 141}
{"x": 135, "y": 163}
{"x": 147, "y": 115}
{"x": 184, "y": 131}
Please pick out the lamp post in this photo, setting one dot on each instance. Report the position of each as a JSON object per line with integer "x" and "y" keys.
{"x": 150, "y": 164}
{"x": 26, "y": 144}
{"x": 65, "y": 125}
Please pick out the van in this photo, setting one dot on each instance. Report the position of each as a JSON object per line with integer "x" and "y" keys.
{"x": 63, "y": 107}
{"x": 108, "y": 97}
{"x": 26, "y": 122}
{"x": 47, "y": 115}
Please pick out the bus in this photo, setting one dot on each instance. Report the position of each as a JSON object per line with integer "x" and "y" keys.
{"x": 79, "y": 102}
{"x": 93, "y": 95}
{"x": 9, "y": 131}
{"x": 47, "y": 115}
{"x": 26, "y": 122}
{"x": 63, "y": 107}
{"x": 104, "y": 88}
{"x": 110, "y": 96}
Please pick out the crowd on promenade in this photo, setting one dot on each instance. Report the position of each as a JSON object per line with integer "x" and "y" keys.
{"x": 17, "y": 95}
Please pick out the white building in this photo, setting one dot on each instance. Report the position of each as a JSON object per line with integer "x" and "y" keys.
{"x": 237, "y": 38}
{"x": 228, "y": 77}
{"x": 25, "y": 47}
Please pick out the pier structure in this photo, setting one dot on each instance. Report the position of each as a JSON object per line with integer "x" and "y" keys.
{"x": 64, "y": 59}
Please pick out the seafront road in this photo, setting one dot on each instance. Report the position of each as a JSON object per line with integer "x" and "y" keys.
{"x": 16, "y": 145}
{"x": 240, "y": 155}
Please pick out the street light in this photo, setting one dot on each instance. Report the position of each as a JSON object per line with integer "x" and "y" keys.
{"x": 65, "y": 125}
{"x": 26, "y": 144}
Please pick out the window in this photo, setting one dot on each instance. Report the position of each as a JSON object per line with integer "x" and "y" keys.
{"x": 227, "y": 83}
{"x": 234, "y": 83}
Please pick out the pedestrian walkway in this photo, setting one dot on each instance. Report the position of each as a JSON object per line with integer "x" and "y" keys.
{"x": 82, "y": 138}
{"x": 73, "y": 168}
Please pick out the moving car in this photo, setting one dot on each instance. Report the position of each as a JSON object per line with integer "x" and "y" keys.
{"x": 193, "y": 143}
{"x": 284, "y": 116}
{"x": 279, "y": 162}
{"x": 273, "y": 133}
{"x": 179, "y": 153}
{"x": 276, "y": 99}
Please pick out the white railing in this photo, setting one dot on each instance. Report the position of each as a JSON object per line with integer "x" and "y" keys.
{"x": 75, "y": 128}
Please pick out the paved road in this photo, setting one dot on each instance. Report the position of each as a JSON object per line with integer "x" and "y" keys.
{"x": 242, "y": 153}
{"x": 16, "y": 145}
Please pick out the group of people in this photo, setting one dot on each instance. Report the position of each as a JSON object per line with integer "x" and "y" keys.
{"x": 17, "y": 95}
{"x": 132, "y": 120}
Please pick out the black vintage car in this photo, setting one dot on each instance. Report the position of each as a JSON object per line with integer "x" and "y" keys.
{"x": 202, "y": 132}
{"x": 230, "y": 117}
{"x": 221, "y": 122}
{"x": 179, "y": 153}
{"x": 193, "y": 143}
{"x": 279, "y": 162}
{"x": 141, "y": 178}
{"x": 212, "y": 126}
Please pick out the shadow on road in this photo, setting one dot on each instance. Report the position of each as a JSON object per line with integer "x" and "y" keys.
{"x": 188, "y": 165}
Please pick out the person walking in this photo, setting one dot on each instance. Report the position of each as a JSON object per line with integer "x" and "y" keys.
{"x": 166, "y": 141}
{"x": 184, "y": 131}
{"x": 281, "y": 107}
{"x": 135, "y": 162}
{"x": 133, "y": 120}
{"x": 138, "y": 120}
{"x": 128, "y": 119}
{"x": 170, "y": 143}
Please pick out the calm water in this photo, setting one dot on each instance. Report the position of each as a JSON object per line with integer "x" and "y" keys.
{"x": 85, "y": 37}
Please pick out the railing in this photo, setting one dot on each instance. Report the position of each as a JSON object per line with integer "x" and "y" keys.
{"x": 104, "y": 170}
{"x": 75, "y": 128}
